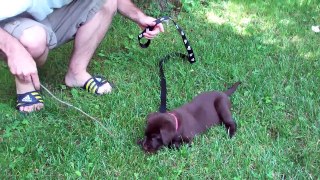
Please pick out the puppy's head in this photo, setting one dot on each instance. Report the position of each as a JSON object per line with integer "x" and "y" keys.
{"x": 160, "y": 132}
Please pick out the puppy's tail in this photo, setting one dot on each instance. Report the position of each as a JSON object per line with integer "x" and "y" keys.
{"x": 232, "y": 89}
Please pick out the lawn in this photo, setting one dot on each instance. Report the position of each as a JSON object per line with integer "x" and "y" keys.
{"x": 267, "y": 45}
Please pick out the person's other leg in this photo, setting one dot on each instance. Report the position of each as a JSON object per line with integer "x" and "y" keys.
{"x": 87, "y": 39}
{"x": 33, "y": 37}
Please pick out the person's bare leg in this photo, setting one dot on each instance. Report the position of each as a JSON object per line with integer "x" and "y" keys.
{"x": 35, "y": 41}
{"x": 87, "y": 39}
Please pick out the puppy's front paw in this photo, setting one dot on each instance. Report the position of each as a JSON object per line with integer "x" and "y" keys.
{"x": 232, "y": 130}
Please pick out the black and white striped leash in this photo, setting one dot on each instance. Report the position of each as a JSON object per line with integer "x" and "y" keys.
{"x": 190, "y": 56}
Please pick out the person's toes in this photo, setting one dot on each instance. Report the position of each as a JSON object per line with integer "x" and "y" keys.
{"x": 40, "y": 106}
{"x": 37, "y": 107}
{"x": 104, "y": 89}
{"x": 21, "y": 109}
{"x": 24, "y": 109}
{"x": 31, "y": 108}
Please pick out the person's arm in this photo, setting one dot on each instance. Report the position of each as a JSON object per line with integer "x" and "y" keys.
{"x": 130, "y": 10}
{"x": 26, "y": 69}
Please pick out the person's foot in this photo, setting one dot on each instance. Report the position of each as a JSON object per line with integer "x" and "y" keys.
{"x": 29, "y": 100}
{"x": 79, "y": 80}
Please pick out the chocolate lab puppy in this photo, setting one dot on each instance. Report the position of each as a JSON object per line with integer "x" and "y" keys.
{"x": 182, "y": 124}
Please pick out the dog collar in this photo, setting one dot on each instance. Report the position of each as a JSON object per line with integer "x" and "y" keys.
{"x": 175, "y": 119}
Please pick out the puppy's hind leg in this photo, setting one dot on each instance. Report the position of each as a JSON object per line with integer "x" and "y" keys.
{"x": 225, "y": 115}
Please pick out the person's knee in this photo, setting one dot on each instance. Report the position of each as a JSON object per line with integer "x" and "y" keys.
{"x": 110, "y": 7}
{"x": 34, "y": 40}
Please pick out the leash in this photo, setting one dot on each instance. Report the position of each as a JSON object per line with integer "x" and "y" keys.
{"x": 190, "y": 56}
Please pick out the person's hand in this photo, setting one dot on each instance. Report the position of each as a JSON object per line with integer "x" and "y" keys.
{"x": 23, "y": 66}
{"x": 146, "y": 21}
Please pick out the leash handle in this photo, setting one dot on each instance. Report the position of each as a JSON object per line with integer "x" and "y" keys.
{"x": 150, "y": 28}
{"x": 186, "y": 43}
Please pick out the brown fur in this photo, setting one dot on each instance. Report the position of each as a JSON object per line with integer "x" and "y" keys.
{"x": 205, "y": 110}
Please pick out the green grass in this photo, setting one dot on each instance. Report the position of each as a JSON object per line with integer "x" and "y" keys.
{"x": 269, "y": 46}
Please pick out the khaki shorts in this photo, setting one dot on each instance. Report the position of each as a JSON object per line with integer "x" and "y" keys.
{"x": 61, "y": 25}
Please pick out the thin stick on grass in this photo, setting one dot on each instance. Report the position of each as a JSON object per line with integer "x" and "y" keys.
{"x": 78, "y": 109}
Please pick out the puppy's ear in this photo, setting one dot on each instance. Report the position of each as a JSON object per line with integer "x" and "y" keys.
{"x": 167, "y": 135}
{"x": 149, "y": 116}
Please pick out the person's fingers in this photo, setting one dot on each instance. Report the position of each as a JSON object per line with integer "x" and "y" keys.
{"x": 13, "y": 71}
{"x": 147, "y": 36}
{"x": 156, "y": 30}
{"x": 151, "y": 34}
{"x": 153, "y": 23}
{"x": 160, "y": 26}
{"x": 27, "y": 78}
{"x": 35, "y": 80}
{"x": 20, "y": 77}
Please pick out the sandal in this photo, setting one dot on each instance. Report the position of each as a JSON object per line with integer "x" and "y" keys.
{"x": 93, "y": 84}
{"x": 28, "y": 99}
